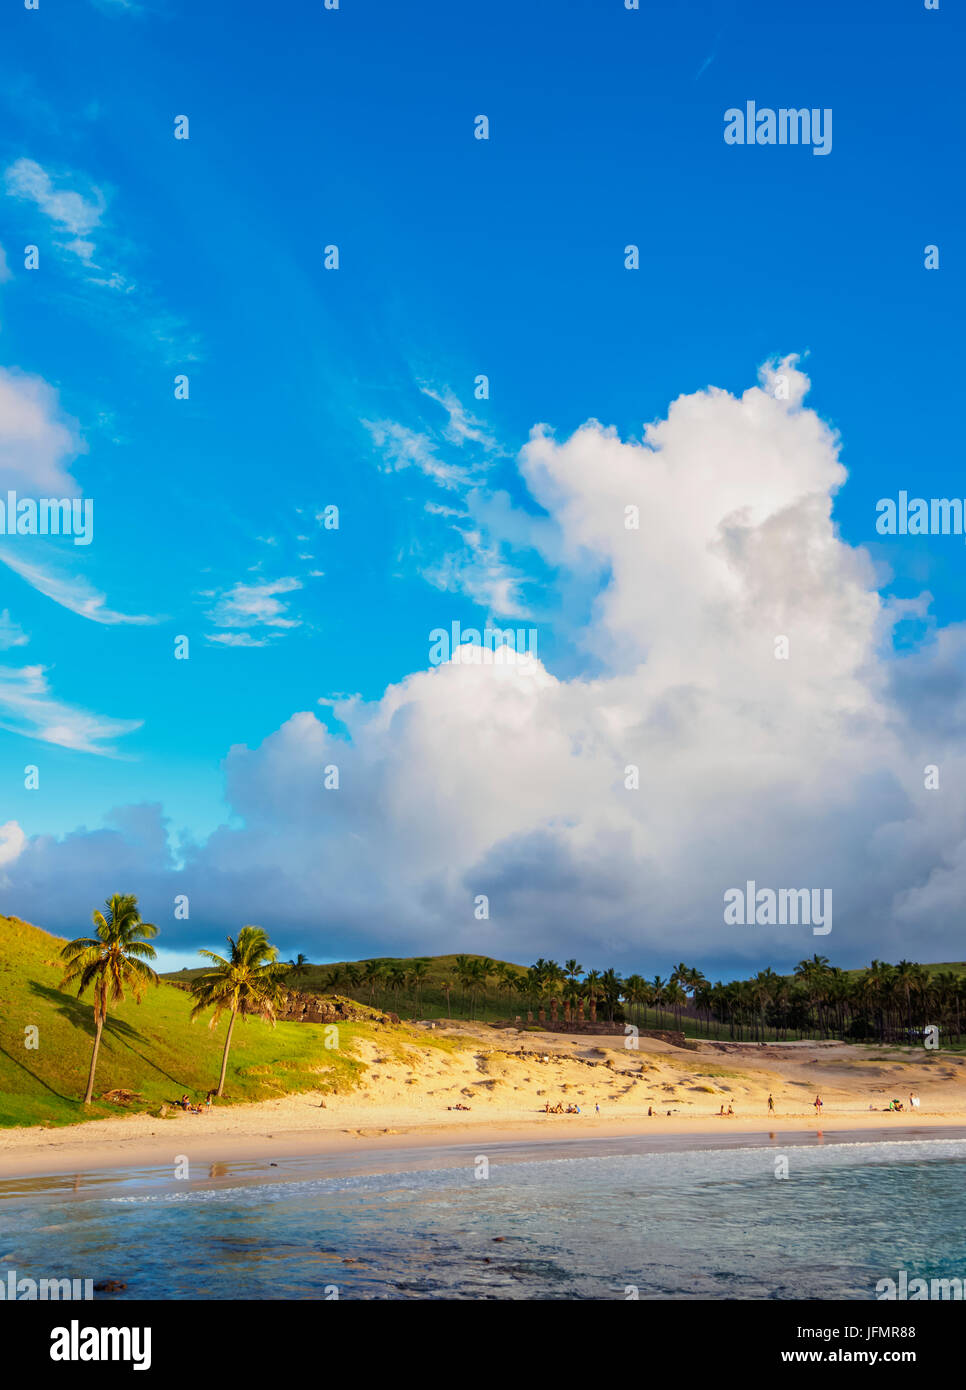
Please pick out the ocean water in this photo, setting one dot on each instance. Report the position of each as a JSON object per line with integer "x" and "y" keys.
{"x": 713, "y": 1223}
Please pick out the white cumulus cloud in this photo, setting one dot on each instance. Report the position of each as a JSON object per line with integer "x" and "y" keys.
{"x": 509, "y": 780}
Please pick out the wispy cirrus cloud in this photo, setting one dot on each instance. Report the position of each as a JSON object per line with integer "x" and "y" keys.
{"x": 402, "y": 448}
{"x": 237, "y": 639}
{"x": 77, "y": 208}
{"x": 11, "y": 633}
{"x": 478, "y": 568}
{"x": 461, "y": 427}
{"x": 27, "y": 707}
{"x": 246, "y": 606}
{"x": 480, "y": 572}
{"x": 72, "y": 592}
{"x": 72, "y": 211}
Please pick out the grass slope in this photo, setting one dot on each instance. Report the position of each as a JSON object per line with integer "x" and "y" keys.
{"x": 432, "y": 996}
{"x": 151, "y": 1047}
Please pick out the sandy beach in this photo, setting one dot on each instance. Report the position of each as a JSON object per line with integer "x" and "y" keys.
{"x": 506, "y": 1079}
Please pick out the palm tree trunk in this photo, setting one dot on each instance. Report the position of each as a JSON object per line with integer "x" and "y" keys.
{"x": 97, "y": 1044}
{"x": 224, "y": 1056}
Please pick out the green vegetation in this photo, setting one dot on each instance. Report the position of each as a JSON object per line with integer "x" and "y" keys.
{"x": 413, "y": 987}
{"x": 249, "y": 983}
{"x": 885, "y": 1003}
{"x": 151, "y": 1049}
{"x": 109, "y": 963}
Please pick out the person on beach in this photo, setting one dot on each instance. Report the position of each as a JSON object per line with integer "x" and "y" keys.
{"x": 818, "y": 1105}
{"x": 771, "y": 1104}
{"x": 597, "y": 1108}
{"x": 913, "y": 1101}
{"x": 208, "y": 1103}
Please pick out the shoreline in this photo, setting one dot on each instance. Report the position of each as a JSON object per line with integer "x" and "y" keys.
{"x": 97, "y": 1150}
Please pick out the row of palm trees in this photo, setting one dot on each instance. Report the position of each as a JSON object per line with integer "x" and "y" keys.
{"x": 888, "y": 1003}
{"x": 565, "y": 991}
{"x": 885, "y": 1002}
{"x": 248, "y": 981}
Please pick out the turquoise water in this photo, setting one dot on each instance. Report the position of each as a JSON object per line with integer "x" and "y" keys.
{"x": 700, "y": 1224}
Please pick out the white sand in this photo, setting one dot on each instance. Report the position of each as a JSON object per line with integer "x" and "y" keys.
{"x": 404, "y": 1103}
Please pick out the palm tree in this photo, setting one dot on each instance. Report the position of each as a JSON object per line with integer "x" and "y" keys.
{"x": 417, "y": 974}
{"x": 513, "y": 982}
{"x": 946, "y": 993}
{"x": 611, "y": 985}
{"x": 372, "y": 973}
{"x": 635, "y": 992}
{"x": 476, "y": 976}
{"x": 299, "y": 966}
{"x": 396, "y": 981}
{"x": 464, "y": 974}
{"x": 109, "y": 961}
{"x": 764, "y": 987}
{"x": 247, "y": 982}
{"x": 906, "y": 979}
{"x": 675, "y": 998}
{"x": 486, "y": 969}
{"x": 657, "y": 986}
{"x": 554, "y": 977}
{"x": 446, "y": 985}
{"x": 703, "y": 1000}
{"x": 815, "y": 976}
{"x": 572, "y": 970}
{"x": 593, "y": 989}
{"x": 507, "y": 979}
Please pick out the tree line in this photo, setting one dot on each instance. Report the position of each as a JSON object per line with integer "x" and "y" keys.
{"x": 885, "y": 1003}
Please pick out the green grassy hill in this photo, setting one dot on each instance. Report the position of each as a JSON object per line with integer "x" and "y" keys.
{"x": 432, "y": 996}
{"x": 151, "y": 1048}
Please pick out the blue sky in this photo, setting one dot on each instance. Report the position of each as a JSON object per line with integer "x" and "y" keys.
{"x": 355, "y": 387}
